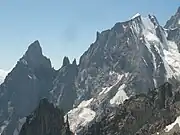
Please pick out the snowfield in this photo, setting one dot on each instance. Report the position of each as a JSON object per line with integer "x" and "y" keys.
{"x": 120, "y": 96}
{"x": 80, "y": 116}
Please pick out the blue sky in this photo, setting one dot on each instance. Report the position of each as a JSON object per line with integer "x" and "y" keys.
{"x": 66, "y": 27}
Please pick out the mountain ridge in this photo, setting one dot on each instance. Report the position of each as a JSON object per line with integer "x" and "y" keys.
{"x": 123, "y": 61}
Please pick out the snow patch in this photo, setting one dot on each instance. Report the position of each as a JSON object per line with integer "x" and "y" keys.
{"x": 120, "y": 96}
{"x": 169, "y": 127}
{"x": 172, "y": 57}
{"x": 85, "y": 103}
{"x": 107, "y": 89}
{"x": 5, "y": 123}
{"x": 29, "y": 77}
{"x": 87, "y": 114}
{"x": 152, "y": 37}
{"x": 148, "y": 25}
{"x": 179, "y": 21}
{"x": 80, "y": 117}
{"x": 136, "y": 15}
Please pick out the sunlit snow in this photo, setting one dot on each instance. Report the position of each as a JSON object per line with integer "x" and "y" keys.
{"x": 85, "y": 103}
{"x": 169, "y": 127}
{"x": 136, "y": 15}
{"x": 120, "y": 96}
{"x": 172, "y": 56}
{"x": 107, "y": 89}
{"x": 5, "y": 123}
{"x": 81, "y": 115}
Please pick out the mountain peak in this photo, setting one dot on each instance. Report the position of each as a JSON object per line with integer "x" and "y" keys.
{"x": 34, "y": 48}
{"x": 66, "y": 61}
{"x": 34, "y": 56}
{"x": 74, "y": 62}
{"x": 136, "y": 15}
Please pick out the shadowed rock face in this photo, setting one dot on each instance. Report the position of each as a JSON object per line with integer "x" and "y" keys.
{"x": 63, "y": 93}
{"x": 25, "y": 85}
{"x": 140, "y": 115}
{"x": 45, "y": 120}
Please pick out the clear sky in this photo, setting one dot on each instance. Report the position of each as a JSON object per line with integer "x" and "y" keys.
{"x": 66, "y": 27}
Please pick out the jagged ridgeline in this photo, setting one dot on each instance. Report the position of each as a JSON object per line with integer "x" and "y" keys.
{"x": 107, "y": 92}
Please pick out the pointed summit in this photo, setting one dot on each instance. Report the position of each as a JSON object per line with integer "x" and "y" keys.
{"x": 34, "y": 48}
{"x": 34, "y": 56}
{"x": 66, "y": 61}
{"x": 74, "y": 62}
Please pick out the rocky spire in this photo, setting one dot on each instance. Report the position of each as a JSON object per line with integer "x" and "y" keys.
{"x": 97, "y": 35}
{"x": 74, "y": 62}
{"x": 66, "y": 61}
{"x": 34, "y": 57}
{"x": 34, "y": 49}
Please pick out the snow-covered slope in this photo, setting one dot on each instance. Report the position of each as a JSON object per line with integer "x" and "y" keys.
{"x": 3, "y": 74}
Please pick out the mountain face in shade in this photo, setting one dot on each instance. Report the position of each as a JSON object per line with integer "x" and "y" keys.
{"x": 24, "y": 86}
{"x": 45, "y": 120}
{"x": 63, "y": 92}
{"x": 108, "y": 91}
